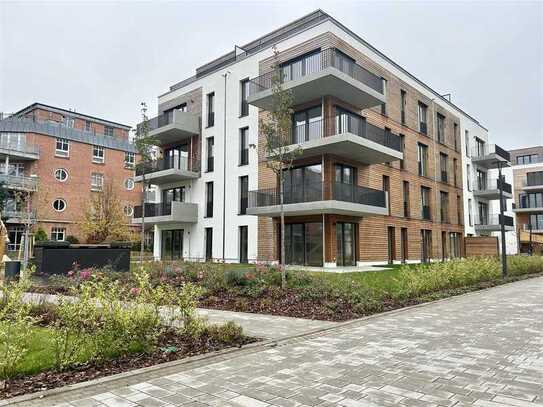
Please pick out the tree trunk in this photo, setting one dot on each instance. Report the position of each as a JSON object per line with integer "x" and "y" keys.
{"x": 282, "y": 231}
{"x": 142, "y": 232}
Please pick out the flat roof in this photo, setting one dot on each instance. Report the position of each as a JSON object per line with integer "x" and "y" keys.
{"x": 37, "y": 105}
{"x": 295, "y": 27}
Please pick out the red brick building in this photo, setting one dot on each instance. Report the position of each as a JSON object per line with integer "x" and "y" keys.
{"x": 59, "y": 158}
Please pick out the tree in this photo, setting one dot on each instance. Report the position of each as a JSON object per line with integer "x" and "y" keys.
{"x": 23, "y": 203}
{"x": 104, "y": 218}
{"x": 276, "y": 128}
{"x": 145, "y": 147}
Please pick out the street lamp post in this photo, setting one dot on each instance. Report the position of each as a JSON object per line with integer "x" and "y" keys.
{"x": 502, "y": 220}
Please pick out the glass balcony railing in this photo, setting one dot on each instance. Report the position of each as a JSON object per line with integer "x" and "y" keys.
{"x": 180, "y": 163}
{"x": 492, "y": 184}
{"x": 484, "y": 150}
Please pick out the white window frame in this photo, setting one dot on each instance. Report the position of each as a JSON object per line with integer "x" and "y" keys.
{"x": 97, "y": 181}
{"x": 64, "y": 142}
{"x": 129, "y": 159}
{"x": 60, "y": 200}
{"x": 128, "y": 210}
{"x": 100, "y": 158}
{"x": 132, "y": 184}
{"x": 56, "y": 232}
{"x": 65, "y": 172}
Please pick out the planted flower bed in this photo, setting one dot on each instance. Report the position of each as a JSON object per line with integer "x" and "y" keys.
{"x": 104, "y": 327}
{"x": 326, "y": 296}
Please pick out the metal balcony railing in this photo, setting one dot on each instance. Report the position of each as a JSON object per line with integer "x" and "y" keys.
{"x": 313, "y": 192}
{"x": 179, "y": 163}
{"x": 20, "y": 215}
{"x": 153, "y": 209}
{"x": 488, "y": 149}
{"x": 19, "y": 181}
{"x": 532, "y": 227}
{"x": 338, "y": 124}
{"x": 492, "y": 184}
{"x": 492, "y": 220}
{"x": 315, "y": 63}
{"x": 530, "y": 200}
{"x": 18, "y": 146}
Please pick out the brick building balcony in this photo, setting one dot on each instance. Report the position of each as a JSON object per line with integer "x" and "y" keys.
{"x": 319, "y": 198}
{"x": 327, "y": 72}
{"x": 167, "y": 213}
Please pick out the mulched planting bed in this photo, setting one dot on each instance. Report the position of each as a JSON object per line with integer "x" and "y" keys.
{"x": 172, "y": 346}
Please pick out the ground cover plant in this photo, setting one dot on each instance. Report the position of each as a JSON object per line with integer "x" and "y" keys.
{"x": 106, "y": 325}
{"x": 322, "y": 295}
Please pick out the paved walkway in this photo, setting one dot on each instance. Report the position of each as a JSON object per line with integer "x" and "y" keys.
{"x": 484, "y": 349}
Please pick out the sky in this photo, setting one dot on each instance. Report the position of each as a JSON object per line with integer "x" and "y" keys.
{"x": 105, "y": 58}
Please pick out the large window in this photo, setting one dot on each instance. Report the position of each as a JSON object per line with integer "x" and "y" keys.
{"x": 243, "y": 244}
{"x": 425, "y": 203}
{"x": 468, "y": 176}
{"x": 531, "y": 200}
{"x": 303, "y": 184}
{"x": 406, "y": 206}
{"x": 535, "y": 221}
{"x": 307, "y": 125}
{"x": 211, "y": 109}
{"x": 172, "y": 244}
{"x": 426, "y": 245}
{"x": 208, "y": 244}
{"x": 303, "y": 243}
{"x": 454, "y": 244}
{"x": 402, "y": 149}
{"x": 527, "y": 159}
{"x": 345, "y": 182}
{"x": 441, "y": 128}
{"x": 481, "y": 180}
{"x": 129, "y": 160}
{"x": 479, "y": 147}
{"x": 98, "y": 154}
{"x": 403, "y": 106}
{"x": 58, "y": 234}
{"x": 209, "y": 200}
{"x": 62, "y": 148}
{"x": 173, "y": 195}
{"x": 470, "y": 214}
{"x": 301, "y": 66}
{"x": 466, "y": 137}
{"x": 384, "y": 105}
{"x": 210, "y": 154}
{"x": 422, "y": 158}
{"x": 482, "y": 212}
{"x": 243, "y": 194}
{"x": 444, "y": 206}
{"x": 444, "y": 167}
{"x": 455, "y": 171}
{"x": 423, "y": 118}
{"x": 244, "y": 90}
{"x": 244, "y": 146}
{"x": 177, "y": 157}
{"x": 386, "y": 188}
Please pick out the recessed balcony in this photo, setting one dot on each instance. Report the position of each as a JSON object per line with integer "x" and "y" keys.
{"x": 344, "y": 135}
{"x": 492, "y": 223}
{"x": 490, "y": 189}
{"x": 165, "y": 213}
{"x": 318, "y": 74}
{"x": 530, "y": 202}
{"x": 490, "y": 156}
{"x": 533, "y": 181}
{"x": 169, "y": 170}
{"x": 319, "y": 198}
{"x": 173, "y": 127}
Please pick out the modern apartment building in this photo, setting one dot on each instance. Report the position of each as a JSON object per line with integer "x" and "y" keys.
{"x": 528, "y": 195}
{"x": 53, "y": 160}
{"x": 379, "y": 179}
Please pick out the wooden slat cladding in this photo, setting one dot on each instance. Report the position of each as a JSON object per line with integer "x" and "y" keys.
{"x": 372, "y": 233}
{"x": 476, "y": 246}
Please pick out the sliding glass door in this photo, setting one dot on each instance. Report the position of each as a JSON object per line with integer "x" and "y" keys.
{"x": 303, "y": 244}
{"x": 172, "y": 244}
{"x": 346, "y": 244}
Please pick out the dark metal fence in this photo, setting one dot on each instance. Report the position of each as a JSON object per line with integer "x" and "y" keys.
{"x": 315, "y": 63}
{"x": 153, "y": 209}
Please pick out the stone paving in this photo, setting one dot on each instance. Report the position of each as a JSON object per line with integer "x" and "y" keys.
{"x": 483, "y": 349}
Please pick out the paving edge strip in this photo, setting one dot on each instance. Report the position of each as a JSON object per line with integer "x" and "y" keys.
{"x": 218, "y": 356}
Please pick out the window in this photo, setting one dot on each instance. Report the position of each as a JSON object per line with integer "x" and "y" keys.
{"x": 87, "y": 125}
{"x": 69, "y": 122}
{"x": 128, "y": 210}
{"x": 129, "y": 159}
{"x": 108, "y": 131}
{"x": 422, "y": 157}
{"x": 210, "y": 154}
{"x": 481, "y": 180}
{"x": 61, "y": 174}
{"x": 209, "y": 200}
{"x": 444, "y": 206}
{"x": 403, "y": 105}
{"x": 426, "y": 245}
{"x": 440, "y": 128}
{"x": 425, "y": 203}
{"x": 527, "y": 159}
{"x": 307, "y": 125}
{"x": 62, "y": 148}
{"x": 59, "y": 204}
{"x": 455, "y": 171}
{"x": 244, "y": 109}
{"x": 406, "y": 209}
{"x": 470, "y": 216}
{"x": 468, "y": 176}
{"x": 211, "y": 109}
{"x": 97, "y": 181}
{"x": 482, "y": 214}
{"x": 384, "y": 105}
{"x": 244, "y": 146}
{"x": 402, "y": 149}
{"x": 479, "y": 147}
{"x": 209, "y": 244}
{"x": 454, "y": 244}
{"x": 386, "y": 188}
{"x": 15, "y": 169}
{"x": 58, "y": 234}
{"x": 455, "y": 135}
{"x": 459, "y": 209}
{"x": 243, "y": 194}
{"x": 466, "y": 137}
{"x": 129, "y": 184}
{"x": 423, "y": 119}
{"x": 309, "y": 63}
{"x": 97, "y": 154}
{"x": 243, "y": 244}
{"x": 443, "y": 166}
{"x": 173, "y": 195}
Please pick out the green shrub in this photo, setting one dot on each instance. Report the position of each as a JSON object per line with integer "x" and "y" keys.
{"x": 230, "y": 332}
{"x": 72, "y": 239}
{"x": 40, "y": 235}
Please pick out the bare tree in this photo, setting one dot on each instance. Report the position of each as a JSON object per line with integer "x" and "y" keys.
{"x": 276, "y": 128}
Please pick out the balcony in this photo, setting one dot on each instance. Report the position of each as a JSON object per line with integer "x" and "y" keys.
{"x": 328, "y": 72}
{"x": 533, "y": 181}
{"x": 19, "y": 182}
{"x": 345, "y": 135}
{"x": 319, "y": 198}
{"x": 532, "y": 202}
{"x": 491, "y": 189}
{"x": 492, "y": 223}
{"x": 537, "y": 228}
{"x": 13, "y": 215}
{"x": 173, "y": 127}
{"x": 489, "y": 155}
{"x": 19, "y": 149}
{"x": 166, "y": 171}
{"x": 167, "y": 213}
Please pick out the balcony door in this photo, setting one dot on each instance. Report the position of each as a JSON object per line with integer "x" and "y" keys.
{"x": 303, "y": 244}
{"x": 172, "y": 244}
{"x": 483, "y": 213}
{"x": 177, "y": 157}
{"x": 303, "y": 184}
{"x": 426, "y": 245}
{"x": 346, "y": 244}
{"x": 348, "y": 122}
{"x": 173, "y": 195}
{"x": 301, "y": 66}
{"x": 344, "y": 182}
{"x": 307, "y": 125}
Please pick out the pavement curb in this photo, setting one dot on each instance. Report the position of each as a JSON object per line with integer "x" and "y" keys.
{"x": 218, "y": 356}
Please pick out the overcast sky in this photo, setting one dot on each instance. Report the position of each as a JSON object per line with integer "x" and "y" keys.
{"x": 104, "y": 58}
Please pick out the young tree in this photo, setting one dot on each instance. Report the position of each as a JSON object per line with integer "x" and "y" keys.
{"x": 145, "y": 147}
{"x": 104, "y": 218}
{"x": 276, "y": 128}
{"x": 23, "y": 203}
